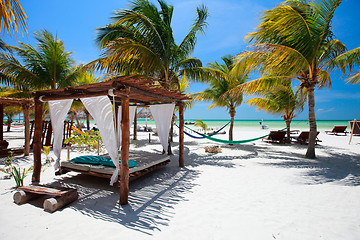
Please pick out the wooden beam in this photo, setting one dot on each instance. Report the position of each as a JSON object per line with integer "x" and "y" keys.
{"x": 1, "y": 122}
{"x": 37, "y": 141}
{"x": 52, "y": 97}
{"x": 125, "y": 138}
{"x": 27, "y": 129}
{"x": 181, "y": 135}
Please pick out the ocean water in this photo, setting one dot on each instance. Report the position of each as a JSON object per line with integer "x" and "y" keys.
{"x": 322, "y": 125}
{"x": 272, "y": 124}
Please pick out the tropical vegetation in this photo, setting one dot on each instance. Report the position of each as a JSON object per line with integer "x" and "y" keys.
{"x": 295, "y": 41}
{"x": 282, "y": 100}
{"x": 12, "y": 17}
{"x": 141, "y": 39}
{"x": 46, "y": 66}
{"x": 201, "y": 124}
{"x": 222, "y": 80}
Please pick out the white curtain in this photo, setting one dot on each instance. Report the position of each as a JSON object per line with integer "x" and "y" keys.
{"x": 162, "y": 114}
{"x": 132, "y": 110}
{"x": 58, "y": 112}
{"x": 100, "y": 108}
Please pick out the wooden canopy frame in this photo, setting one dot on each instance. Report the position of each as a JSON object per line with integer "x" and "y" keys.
{"x": 135, "y": 89}
{"x": 25, "y": 103}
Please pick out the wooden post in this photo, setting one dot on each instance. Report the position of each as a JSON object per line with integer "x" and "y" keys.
{"x": 135, "y": 126}
{"x": 49, "y": 135}
{"x": 181, "y": 135}
{"x": 68, "y": 152}
{"x": 2, "y": 122}
{"x": 27, "y": 129}
{"x": 352, "y": 130}
{"x": 37, "y": 141}
{"x": 125, "y": 142}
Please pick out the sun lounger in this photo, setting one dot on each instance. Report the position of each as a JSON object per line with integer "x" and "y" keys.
{"x": 276, "y": 136}
{"x": 337, "y": 130}
{"x": 303, "y": 138}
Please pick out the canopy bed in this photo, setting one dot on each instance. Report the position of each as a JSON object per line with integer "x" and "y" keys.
{"x": 112, "y": 105}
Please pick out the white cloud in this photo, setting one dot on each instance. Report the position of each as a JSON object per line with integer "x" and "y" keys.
{"x": 322, "y": 110}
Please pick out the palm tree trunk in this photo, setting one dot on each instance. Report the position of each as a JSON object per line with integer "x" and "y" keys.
{"x": 87, "y": 120}
{"x": 288, "y": 122}
{"x": 8, "y": 125}
{"x": 312, "y": 123}
{"x": 232, "y": 117}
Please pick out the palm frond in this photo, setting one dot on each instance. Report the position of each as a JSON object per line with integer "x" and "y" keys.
{"x": 188, "y": 43}
{"x": 12, "y": 17}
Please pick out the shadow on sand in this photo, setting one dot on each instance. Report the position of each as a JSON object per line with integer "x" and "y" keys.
{"x": 334, "y": 166}
{"x": 152, "y": 198}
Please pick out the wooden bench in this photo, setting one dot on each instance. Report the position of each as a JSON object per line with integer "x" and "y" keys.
{"x": 58, "y": 196}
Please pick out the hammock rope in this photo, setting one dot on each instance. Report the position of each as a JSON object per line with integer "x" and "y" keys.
{"x": 212, "y": 134}
{"x": 232, "y": 142}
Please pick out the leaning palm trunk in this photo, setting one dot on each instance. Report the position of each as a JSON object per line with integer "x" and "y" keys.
{"x": 232, "y": 117}
{"x": 312, "y": 122}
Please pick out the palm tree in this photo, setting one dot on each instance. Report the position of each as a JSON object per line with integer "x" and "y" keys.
{"x": 222, "y": 81}
{"x": 141, "y": 40}
{"x": 201, "y": 124}
{"x": 48, "y": 66}
{"x": 295, "y": 41}
{"x": 281, "y": 100}
{"x": 12, "y": 16}
{"x": 10, "y": 112}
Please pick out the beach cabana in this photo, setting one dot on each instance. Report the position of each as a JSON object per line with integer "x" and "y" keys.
{"x": 123, "y": 93}
{"x": 25, "y": 103}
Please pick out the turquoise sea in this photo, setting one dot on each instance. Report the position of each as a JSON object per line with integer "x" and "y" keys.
{"x": 272, "y": 124}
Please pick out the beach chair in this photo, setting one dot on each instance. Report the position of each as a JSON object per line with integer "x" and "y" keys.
{"x": 276, "y": 136}
{"x": 337, "y": 130}
{"x": 303, "y": 138}
{"x": 355, "y": 127}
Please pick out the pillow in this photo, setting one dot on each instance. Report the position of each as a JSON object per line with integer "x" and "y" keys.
{"x": 97, "y": 160}
{"x": 107, "y": 162}
{"x": 94, "y": 160}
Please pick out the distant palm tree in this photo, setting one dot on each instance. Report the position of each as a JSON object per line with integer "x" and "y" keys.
{"x": 295, "y": 41}
{"x": 12, "y": 16}
{"x": 47, "y": 66}
{"x": 141, "y": 40}
{"x": 201, "y": 124}
{"x": 281, "y": 100}
{"x": 10, "y": 112}
{"x": 222, "y": 81}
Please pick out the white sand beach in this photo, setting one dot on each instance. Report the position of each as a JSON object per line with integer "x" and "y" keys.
{"x": 255, "y": 190}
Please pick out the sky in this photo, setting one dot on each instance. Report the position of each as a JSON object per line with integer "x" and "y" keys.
{"x": 75, "y": 22}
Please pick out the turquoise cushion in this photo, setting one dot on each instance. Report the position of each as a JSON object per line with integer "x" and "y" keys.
{"x": 97, "y": 160}
{"x": 94, "y": 160}
{"x": 109, "y": 163}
